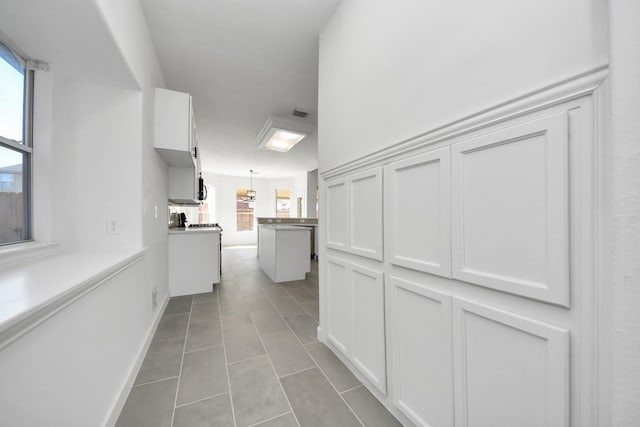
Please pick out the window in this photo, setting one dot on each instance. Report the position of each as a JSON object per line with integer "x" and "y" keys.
{"x": 283, "y": 203}
{"x": 244, "y": 210}
{"x": 16, "y": 101}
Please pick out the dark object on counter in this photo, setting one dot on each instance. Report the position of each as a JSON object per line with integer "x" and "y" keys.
{"x": 202, "y": 189}
{"x": 182, "y": 220}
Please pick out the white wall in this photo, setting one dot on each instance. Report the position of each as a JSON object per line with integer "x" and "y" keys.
{"x": 94, "y": 159}
{"x": 312, "y": 186}
{"x": 624, "y": 188}
{"x": 265, "y": 206}
{"x": 393, "y": 70}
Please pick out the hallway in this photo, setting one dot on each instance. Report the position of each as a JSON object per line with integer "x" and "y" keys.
{"x": 245, "y": 355}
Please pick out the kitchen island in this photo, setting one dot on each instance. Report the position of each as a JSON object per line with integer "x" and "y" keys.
{"x": 284, "y": 251}
{"x": 194, "y": 260}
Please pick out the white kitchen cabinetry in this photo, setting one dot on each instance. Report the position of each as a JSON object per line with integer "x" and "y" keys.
{"x": 177, "y": 142}
{"x": 285, "y": 251}
{"x": 417, "y": 212}
{"x": 354, "y": 223}
{"x": 488, "y": 270}
{"x": 509, "y": 370}
{"x": 356, "y": 318}
{"x": 194, "y": 261}
{"x": 420, "y": 338}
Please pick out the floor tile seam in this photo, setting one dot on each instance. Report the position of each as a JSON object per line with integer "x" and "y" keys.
{"x": 329, "y": 381}
{"x": 184, "y": 347}
{"x": 272, "y": 418}
{"x": 226, "y": 367}
{"x": 182, "y": 313}
{"x": 307, "y": 312}
{"x": 300, "y": 371}
{"x": 169, "y": 339}
{"x": 201, "y": 400}
{"x": 203, "y": 348}
{"x": 207, "y": 301}
{"x": 162, "y": 340}
{"x": 352, "y": 388}
{"x": 155, "y": 381}
{"x": 235, "y": 362}
{"x": 275, "y": 373}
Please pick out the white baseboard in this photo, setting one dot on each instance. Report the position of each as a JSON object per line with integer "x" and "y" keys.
{"x": 133, "y": 373}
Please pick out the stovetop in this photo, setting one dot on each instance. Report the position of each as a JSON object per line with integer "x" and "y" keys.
{"x": 212, "y": 225}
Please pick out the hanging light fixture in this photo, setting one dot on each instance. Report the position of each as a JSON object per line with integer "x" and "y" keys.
{"x": 251, "y": 194}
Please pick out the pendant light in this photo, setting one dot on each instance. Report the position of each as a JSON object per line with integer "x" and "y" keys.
{"x": 251, "y": 194}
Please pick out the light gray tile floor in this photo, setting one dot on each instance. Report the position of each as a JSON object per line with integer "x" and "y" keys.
{"x": 245, "y": 355}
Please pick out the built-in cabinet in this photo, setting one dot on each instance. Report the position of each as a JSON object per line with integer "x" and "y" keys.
{"x": 356, "y": 317}
{"x": 457, "y": 280}
{"x": 176, "y": 140}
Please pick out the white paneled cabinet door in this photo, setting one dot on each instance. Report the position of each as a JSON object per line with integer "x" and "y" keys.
{"x": 337, "y": 215}
{"x": 421, "y": 352}
{"x": 365, "y": 216}
{"x": 368, "y": 325}
{"x": 510, "y": 210}
{"x": 509, "y": 370}
{"x": 417, "y": 211}
{"x": 339, "y": 305}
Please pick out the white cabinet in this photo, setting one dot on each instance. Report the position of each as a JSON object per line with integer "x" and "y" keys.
{"x": 285, "y": 253}
{"x": 183, "y": 184}
{"x": 509, "y": 370}
{"x": 510, "y": 209}
{"x": 174, "y": 128}
{"x": 354, "y": 222}
{"x": 417, "y": 212}
{"x": 356, "y": 318}
{"x": 176, "y": 140}
{"x": 194, "y": 261}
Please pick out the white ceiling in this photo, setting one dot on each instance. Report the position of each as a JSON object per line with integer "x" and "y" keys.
{"x": 242, "y": 61}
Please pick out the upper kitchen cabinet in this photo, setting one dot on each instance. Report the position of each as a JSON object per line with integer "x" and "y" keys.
{"x": 175, "y": 136}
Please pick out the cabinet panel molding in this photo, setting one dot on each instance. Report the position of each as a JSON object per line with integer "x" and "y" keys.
{"x": 510, "y": 209}
{"x": 339, "y": 298}
{"x": 337, "y": 215}
{"x": 369, "y": 346}
{"x": 365, "y": 216}
{"x": 420, "y": 327}
{"x": 417, "y": 212}
{"x": 508, "y": 369}
{"x": 354, "y": 214}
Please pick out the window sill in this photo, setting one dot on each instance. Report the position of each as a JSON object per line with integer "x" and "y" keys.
{"x": 31, "y": 293}
{"x": 18, "y": 253}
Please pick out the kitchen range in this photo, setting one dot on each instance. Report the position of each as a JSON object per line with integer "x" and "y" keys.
{"x": 195, "y": 258}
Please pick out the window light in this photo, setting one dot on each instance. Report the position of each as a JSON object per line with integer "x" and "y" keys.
{"x": 281, "y": 134}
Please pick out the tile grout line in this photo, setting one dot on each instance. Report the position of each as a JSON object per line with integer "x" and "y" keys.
{"x": 203, "y": 348}
{"x": 201, "y": 400}
{"x": 299, "y": 303}
{"x": 352, "y": 388}
{"x": 226, "y": 364}
{"x": 175, "y": 399}
{"x": 332, "y": 385}
{"x": 155, "y": 381}
{"x": 272, "y": 418}
{"x": 235, "y": 362}
{"x": 300, "y": 371}
{"x": 326, "y": 377}
{"x": 284, "y": 393}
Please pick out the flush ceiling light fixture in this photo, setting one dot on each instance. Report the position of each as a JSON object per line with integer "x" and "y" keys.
{"x": 281, "y": 134}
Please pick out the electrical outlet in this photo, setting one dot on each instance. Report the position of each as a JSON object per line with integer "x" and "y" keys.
{"x": 155, "y": 212}
{"x": 154, "y": 298}
{"x": 113, "y": 226}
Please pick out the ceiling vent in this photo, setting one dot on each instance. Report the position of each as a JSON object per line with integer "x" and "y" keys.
{"x": 299, "y": 113}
